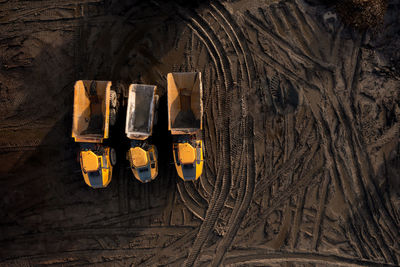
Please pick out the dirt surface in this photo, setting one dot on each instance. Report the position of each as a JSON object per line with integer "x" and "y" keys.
{"x": 301, "y": 134}
{"x": 362, "y": 14}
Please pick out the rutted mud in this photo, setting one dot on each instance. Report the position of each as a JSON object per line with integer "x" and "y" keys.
{"x": 301, "y": 134}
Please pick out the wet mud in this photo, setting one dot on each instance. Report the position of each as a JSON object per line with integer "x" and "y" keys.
{"x": 301, "y": 134}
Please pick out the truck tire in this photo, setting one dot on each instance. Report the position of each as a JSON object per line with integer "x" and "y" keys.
{"x": 113, "y": 116}
{"x": 200, "y": 135}
{"x": 156, "y": 98}
{"x": 113, "y": 157}
{"x": 113, "y": 99}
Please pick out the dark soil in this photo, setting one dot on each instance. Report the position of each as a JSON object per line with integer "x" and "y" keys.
{"x": 301, "y": 135}
{"x": 362, "y": 14}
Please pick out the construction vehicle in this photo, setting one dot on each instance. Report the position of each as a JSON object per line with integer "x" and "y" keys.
{"x": 140, "y": 117}
{"x": 185, "y": 113}
{"x": 95, "y": 108}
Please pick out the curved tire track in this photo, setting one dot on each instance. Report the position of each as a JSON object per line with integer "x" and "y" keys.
{"x": 243, "y": 203}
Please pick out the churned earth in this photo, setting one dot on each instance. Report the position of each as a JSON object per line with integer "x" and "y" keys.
{"x": 301, "y": 129}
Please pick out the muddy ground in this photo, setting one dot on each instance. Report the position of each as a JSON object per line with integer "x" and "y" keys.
{"x": 301, "y": 133}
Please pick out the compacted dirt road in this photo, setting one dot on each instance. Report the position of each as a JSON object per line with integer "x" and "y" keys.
{"x": 301, "y": 133}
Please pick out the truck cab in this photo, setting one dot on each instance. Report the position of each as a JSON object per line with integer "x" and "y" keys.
{"x": 143, "y": 159}
{"x": 188, "y": 158}
{"x": 97, "y": 165}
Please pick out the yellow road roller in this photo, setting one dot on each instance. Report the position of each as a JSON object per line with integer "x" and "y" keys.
{"x": 140, "y": 117}
{"x": 95, "y": 106}
{"x": 185, "y": 113}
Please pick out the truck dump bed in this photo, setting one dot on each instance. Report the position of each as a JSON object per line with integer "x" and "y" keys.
{"x": 91, "y": 111}
{"x": 185, "y": 106}
{"x": 140, "y": 112}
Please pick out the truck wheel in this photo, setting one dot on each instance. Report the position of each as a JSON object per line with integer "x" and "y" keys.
{"x": 113, "y": 116}
{"x": 199, "y": 135}
{"x": 113, "y": 157}
{"x": 155, "y": 118}
{"x": 156, "y": 100}
{"x": 113, "y": 99}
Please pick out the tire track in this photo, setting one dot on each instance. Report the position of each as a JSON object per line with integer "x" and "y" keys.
{"x": 205, "y": 183}
{"x": 93, "y": 232}
{"x": 337, "y": 171}
{"x": 293, "y": 22}
{"x": 206, "y": 35}
{"x": 283, "y": 45}
{"x": 245, "y": 193}
{"x": 192, "y": 202}
{"x": 262, "y": 185}
{"x": 334, "y": 173}
{"x": 235, "y": 35}
{"x": 351, "y": 138}
{"x": 302, "y": 182}
{"x": 265, "y": 257}
{"x": 213, "y": 136}
{"x": 127, "y": 216}
{"x": 198, "y": 187}
{"x": 176, "y": 249}
{"x": 320, "y": 212}
{"x": 358, "y": 162}
{"x": 310, "y": 88}
{"x": 218, "y": 198}
{"x": 242, "y": 205}
{"x": 298, "y": 215}
{"x": 237, "y": 147}
{"x": 65, "y": 256}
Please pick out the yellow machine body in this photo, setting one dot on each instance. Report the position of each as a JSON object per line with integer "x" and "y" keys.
{"x": 90, "y": 161}
{"x": 143, "y": 163}
{"x": 139, "y": 157}
{"x": 186, "y": 153}
{"x": 96, "y": 169}
{"x": 189, "y": 159}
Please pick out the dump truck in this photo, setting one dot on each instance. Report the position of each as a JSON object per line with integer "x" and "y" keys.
{"x": 95, "y": 108}
{"x": 140, "y": 117}
{"x": 185, "y": 113}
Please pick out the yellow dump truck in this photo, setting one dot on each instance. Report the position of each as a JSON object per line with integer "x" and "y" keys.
{"x": 140, "y": 116}
{"x": 185, "y": 113}
{"x": 95, "y": 106}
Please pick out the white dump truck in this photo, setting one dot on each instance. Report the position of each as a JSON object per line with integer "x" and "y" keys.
{"x": 140, "y": 117}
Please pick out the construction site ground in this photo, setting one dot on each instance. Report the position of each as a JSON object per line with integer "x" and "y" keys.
{"x": 300, "y": 128}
